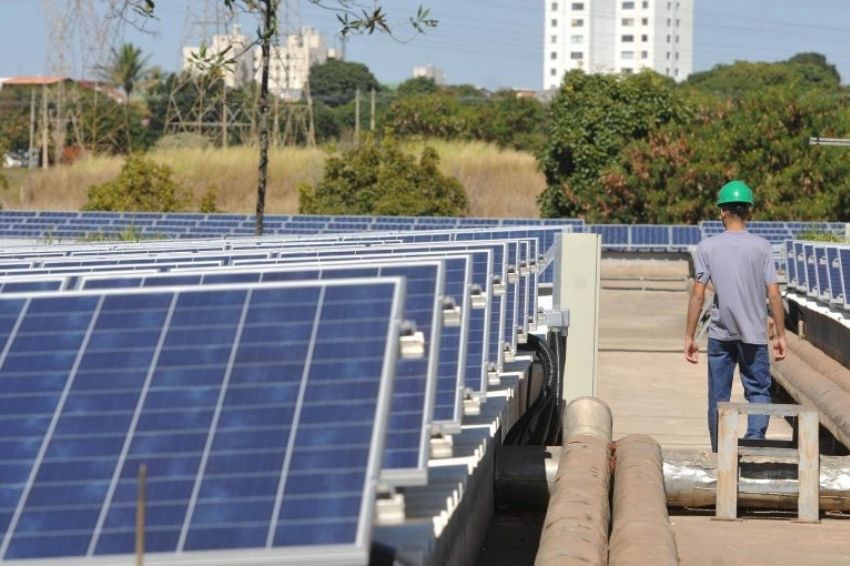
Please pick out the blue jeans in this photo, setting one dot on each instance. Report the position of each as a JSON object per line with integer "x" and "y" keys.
{"x": 755, "y": 377}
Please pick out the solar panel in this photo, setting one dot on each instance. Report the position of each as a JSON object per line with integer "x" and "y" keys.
{"x": 26, "y": 283}
{"x": 485, "y": 322}
{"x": 811, "y": 269}
{"x": 790, "y": 263}
{"x": 802, "y": 272}
{"x": 836, "y": 288}
{"x": 257, "y": 409}
{"x": 844, "y": 260}
{"x": 407, "y": 450}
{"x": 822, "y": 273}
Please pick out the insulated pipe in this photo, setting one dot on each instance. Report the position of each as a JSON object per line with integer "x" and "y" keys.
{"x": 690, "y": 477}
{"x": 575, "y": 531}
{"x": 641, "y": 532}
{"x": 588, "y": 416}
{"x": 814, "y": 379}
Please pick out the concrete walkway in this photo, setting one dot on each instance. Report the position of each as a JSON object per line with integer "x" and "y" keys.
{"x": 652, "y": 390}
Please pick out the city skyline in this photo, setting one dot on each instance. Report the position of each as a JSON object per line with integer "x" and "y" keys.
{"x": 490, "y": 43}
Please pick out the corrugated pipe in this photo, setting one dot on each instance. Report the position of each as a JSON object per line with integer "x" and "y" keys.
{"x": 575, "y": 531}
{"x": 641, "y": 532}
{"x": 690, "y": 478}
{"x": 814, "y": 379}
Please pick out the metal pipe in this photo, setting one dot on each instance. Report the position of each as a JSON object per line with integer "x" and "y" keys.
{"x": 575, "y": 530}
{"x": 588, "y": 416}
{"x": 641, "y": 532}
{"x": 690, "y": 478}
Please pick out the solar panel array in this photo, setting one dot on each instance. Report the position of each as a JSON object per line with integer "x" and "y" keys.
{"x": 820, "y": 270}
{"x": 272, "y": 387}
{"x": 615, "y": 237}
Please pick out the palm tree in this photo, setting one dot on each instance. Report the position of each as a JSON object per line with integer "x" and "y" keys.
{"x": 126, "y": 69}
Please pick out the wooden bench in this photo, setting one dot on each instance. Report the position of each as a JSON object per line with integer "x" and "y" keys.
{"x": 806, "y": 455}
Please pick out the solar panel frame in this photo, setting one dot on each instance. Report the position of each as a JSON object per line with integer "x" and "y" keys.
{"x": 790, "y": 263}
{"x": 836, "y": 283}
{"x": 802, "y": 271}
{"x": 811, "y": 269}
{"x": 822, "y": 274}
{"x": 356, "y": 553}
{"x": 844, "y": 261}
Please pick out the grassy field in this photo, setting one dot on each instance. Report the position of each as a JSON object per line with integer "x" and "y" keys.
{"x": 498, "y": 182}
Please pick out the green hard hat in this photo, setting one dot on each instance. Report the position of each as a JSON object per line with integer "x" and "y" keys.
{"x": 734, "y": 192}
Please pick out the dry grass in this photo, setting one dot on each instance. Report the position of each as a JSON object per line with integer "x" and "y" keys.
{"x": 498, "y": 182}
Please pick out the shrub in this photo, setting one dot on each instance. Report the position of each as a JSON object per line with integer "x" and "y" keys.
{"x": 143, "y": 186}
{"x": 209, "y": 202}
{"x": 379, "y": 178}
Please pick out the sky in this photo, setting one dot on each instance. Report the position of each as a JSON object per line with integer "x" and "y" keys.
{"x": 489, "y": 43}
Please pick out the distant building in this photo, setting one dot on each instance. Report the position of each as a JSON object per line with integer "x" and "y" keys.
{"x": 289, "y": 67}
{"x": 617, "y": 36}
{"x": 430, "y": 72}
{"x": 232, "y": 45}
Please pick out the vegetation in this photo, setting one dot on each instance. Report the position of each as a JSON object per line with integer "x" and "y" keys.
{"x": 127, "y": 68}
{"x": 490, "y": 176}
{"x": 142, "y": 186}
{"x": 335, "y": 83}
{"x": 377, "y": 177}
{"x": 640, "y": 149}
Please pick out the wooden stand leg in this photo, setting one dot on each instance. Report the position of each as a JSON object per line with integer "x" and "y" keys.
{"x": 809, "y": 468}
{"x": 727, "y": 464}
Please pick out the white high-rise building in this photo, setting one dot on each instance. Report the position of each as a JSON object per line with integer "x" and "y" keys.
{"x": 618, "y": 36}
{"x": 232, "y": 45}
{"x": 289, "y": 66}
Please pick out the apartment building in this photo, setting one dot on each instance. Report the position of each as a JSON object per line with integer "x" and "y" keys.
{"x": 618, "y": 36}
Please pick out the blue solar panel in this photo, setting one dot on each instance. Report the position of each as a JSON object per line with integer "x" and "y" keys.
{"x": 844, "y": 260}
{"x": 258, "y": 411}
{"x": 811, "y": 269}
{"x": 486, "y": 323}
{"x": 822, "y": 272}
{"x": 836, "y": 288}
{"x": 802, "y": 272}
{"x": 406, "y": 453}
{"x": 31, "y": 283}
{"x": 790, "y": 263}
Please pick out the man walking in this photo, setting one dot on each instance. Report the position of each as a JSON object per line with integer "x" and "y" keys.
{"x": 740, "y": 267}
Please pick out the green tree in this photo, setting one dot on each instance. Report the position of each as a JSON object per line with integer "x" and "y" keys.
{"x": 417, "y": 85}
{"x": 127, "y": 68}
{"x": 511, "y": 121}
{"x": 800, "y": 72}
{"x": 379, "y": 178}
{"x": 143, "y": 186}
{"x": 335, "y": 82}
{"x": 761, "y": 137}
{"x": 591, "y": 119}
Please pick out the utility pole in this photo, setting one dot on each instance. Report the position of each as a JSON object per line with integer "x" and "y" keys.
{"x": 372, "y": 116}
{"x": 223, "y": 113}
{"x": 30, "y": 160}
{"x": 44, "y": 128}
{"x": 357, "y": 115}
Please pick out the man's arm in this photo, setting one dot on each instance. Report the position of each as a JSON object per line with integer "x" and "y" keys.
{"x": 777, "y": 312}
{"x": 694, "y": 309}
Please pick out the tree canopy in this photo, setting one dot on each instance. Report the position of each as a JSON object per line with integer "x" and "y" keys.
{"x": 641, "y": 149}
{"x": 335, "y": 82}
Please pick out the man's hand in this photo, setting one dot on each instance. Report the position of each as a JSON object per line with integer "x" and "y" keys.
{"x": 779, "y": 348}
{"x": 692, "y": 350}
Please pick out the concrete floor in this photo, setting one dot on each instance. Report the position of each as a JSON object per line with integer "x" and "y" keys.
{"x": 652, "y": 390}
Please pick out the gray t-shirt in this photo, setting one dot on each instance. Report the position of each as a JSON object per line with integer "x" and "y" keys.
{"x": 740, "y": 265}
